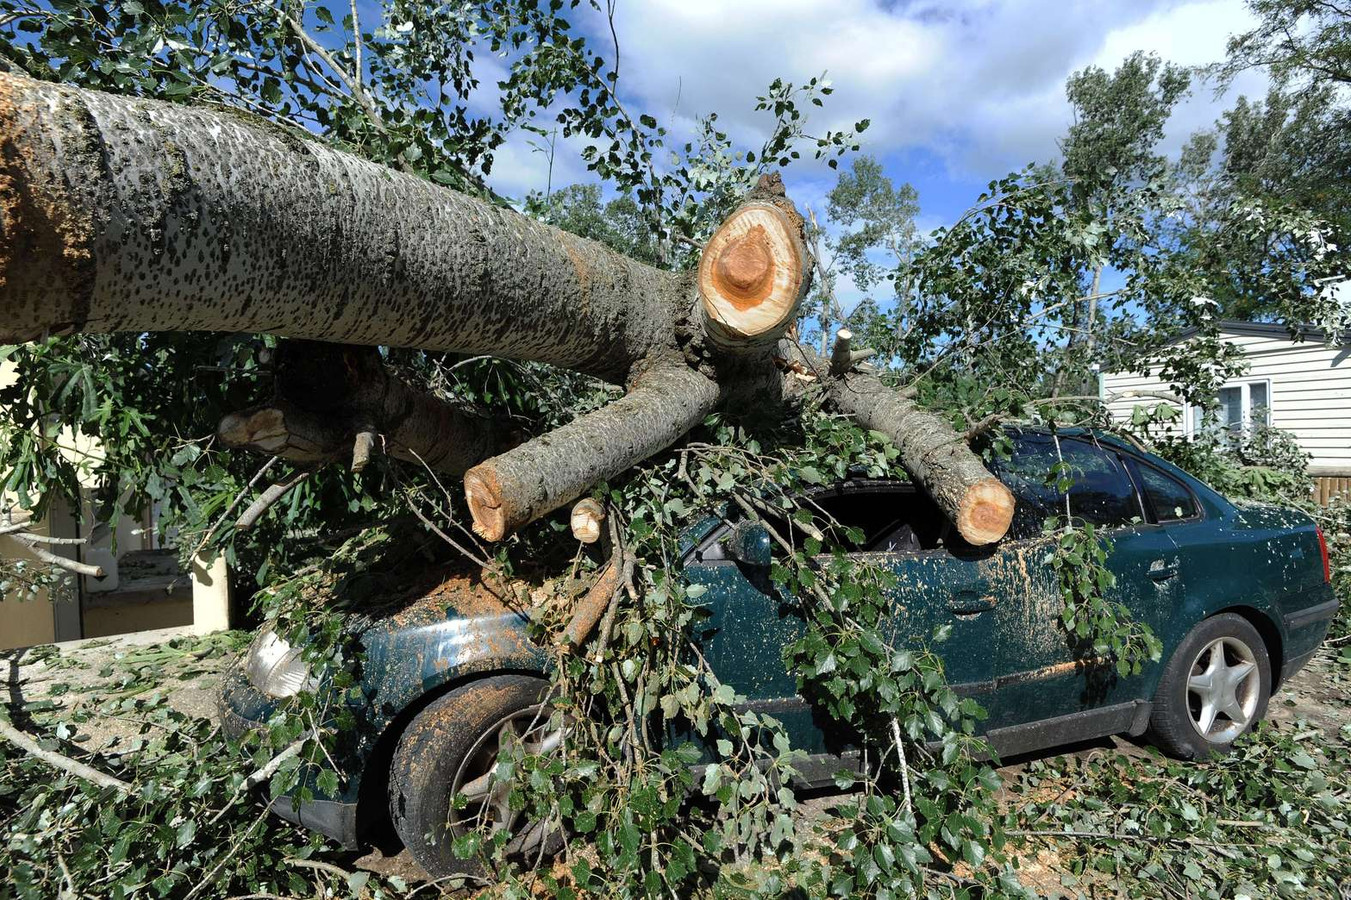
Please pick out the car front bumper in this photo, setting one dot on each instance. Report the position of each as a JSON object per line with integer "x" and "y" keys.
{"x": 332, "y": 818}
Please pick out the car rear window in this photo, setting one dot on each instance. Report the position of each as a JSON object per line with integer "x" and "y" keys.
{"x": 1170, "y": 498}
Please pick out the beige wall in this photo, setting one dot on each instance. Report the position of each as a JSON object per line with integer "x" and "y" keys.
{"x": 25, "y": 622}
{"x": 1310, "y": 392}
{"x": 90, "y": 607}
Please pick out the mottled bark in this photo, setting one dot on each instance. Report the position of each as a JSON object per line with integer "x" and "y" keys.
{"x": 541, "y": 475}
{"x": 120, "y": 214}
{"x": 329, "y": 399}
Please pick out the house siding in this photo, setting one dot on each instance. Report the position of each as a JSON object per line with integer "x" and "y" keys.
{"x": 1310, "y": 393}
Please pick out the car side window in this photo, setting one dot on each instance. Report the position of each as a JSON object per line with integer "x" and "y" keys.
{"x": 1101, "y": 494}
{"x": 1170, "y": 498}
{"x": 892, "y": 518}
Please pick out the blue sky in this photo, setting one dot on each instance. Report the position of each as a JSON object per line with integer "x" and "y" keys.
{"x": 959, "y": 92}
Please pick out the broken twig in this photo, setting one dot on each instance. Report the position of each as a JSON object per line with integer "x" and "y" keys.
{"x": 266, "y": 500}
{"x": 30, "y": 543}
{"x": 64, "y": 763}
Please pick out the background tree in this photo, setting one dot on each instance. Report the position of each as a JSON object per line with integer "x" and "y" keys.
{"x": 1110, "y": 149}
{"x": 874, "y": 242}
{"x": 1297, "y": 41}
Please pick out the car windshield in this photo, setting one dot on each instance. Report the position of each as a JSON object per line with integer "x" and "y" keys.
{"x": 870, "y": 516}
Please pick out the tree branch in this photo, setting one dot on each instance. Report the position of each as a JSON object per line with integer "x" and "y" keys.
{"x": 64, "y": 763}
{"x": 355, "y": 86}
{"x": 267, "y": 499}
{"x": 517, "y": 487}
{"x": 30, "y": 543}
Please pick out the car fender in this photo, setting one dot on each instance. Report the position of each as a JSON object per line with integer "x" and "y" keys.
{"x": 405, "y": 665}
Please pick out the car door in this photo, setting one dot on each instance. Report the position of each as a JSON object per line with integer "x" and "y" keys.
{"x": 940, "y": 582}
{"x": 1043, "y": 673}
{"x": 1180, "y": 515}
{"x": 749, "y": 622}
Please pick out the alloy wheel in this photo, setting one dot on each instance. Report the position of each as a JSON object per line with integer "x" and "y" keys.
{"x": 528, "y": 732}
{"x": 1223, "y": 688}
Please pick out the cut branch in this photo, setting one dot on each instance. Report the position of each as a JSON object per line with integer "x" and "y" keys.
{"x": 327, "y": 396}
{"x": 587, "y": 518}
{"x": 518, "y": 487}
{"x": 754, "y": 271}
{"x": 843, "y": 358}
{"x": 936, "y": 456}
{"x": 64, "y": 763}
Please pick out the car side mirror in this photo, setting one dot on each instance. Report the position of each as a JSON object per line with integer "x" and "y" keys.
{"x": 749, "y": 543}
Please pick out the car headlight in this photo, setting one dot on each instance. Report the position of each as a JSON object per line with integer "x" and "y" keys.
{"x": 275, "y": 667}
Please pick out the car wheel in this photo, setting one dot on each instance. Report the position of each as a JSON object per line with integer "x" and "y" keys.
{"x": 451, "y": 748}
{"x": 1215, "y": 688}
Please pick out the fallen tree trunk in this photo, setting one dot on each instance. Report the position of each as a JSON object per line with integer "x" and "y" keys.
{"x": 134, "y": 215}
{"x": 119, "y": 214}
{"x": 935, "y": 455}
{"x": 541, "y": 475}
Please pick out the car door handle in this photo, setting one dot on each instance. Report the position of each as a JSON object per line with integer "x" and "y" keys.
{"x": 1162, "y": 569}
{"x": 968, "y": 603}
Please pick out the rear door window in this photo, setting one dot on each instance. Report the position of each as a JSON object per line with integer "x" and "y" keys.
{"x": 1101, "y": 493}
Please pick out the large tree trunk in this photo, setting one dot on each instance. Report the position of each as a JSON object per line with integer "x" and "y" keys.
{"x": 134, "y": 215}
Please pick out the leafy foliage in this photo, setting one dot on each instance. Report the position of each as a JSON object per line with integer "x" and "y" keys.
{"x": 1269, "y": 821}
{"x": 189, "y": 827}
{"x": 975, "y": 320}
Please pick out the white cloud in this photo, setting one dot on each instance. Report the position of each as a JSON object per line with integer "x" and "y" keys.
{"x": 522, "y": 164}
{"x": 981, "y": 82}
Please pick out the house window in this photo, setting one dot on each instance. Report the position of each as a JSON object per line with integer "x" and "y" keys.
{"x": 1241, "y": 406}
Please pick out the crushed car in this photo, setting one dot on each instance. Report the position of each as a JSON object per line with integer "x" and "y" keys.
{"x": 1240, "y": 597}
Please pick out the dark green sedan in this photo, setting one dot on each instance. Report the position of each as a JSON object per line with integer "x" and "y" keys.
{"x": 1240, "y": 597}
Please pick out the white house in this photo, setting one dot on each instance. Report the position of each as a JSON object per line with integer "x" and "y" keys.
{"x": 1299, "y": 384}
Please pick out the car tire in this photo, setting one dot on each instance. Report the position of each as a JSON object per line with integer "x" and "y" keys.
{"x": 1214, "y": 689}
{"x": 450, "y": 747}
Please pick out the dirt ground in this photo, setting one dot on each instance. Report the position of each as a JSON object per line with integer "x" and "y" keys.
{"x": 77, "y": 676}
{"x": 76, "y": 680}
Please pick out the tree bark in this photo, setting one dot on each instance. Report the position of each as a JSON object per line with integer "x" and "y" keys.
{"x": 934, "y": 454}
{"x": 521, "y": 485}
{"x": 120, "y": 214}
